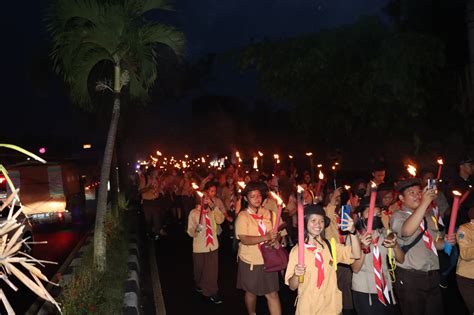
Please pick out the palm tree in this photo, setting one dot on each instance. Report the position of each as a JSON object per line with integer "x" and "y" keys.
{"x": 86, "y": 33}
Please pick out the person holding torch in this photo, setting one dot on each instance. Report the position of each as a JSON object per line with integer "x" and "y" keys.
{"x": 202, "y": 227}
{"x": 318, "y": 293}
{"x": 371, "y": 285}
{"x": 417, "y": 285}
{"x": 253, "y": 227}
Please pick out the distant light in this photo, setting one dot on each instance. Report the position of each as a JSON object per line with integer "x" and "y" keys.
{"x": 87, "y": 146}
{"x": 42, "y": 150}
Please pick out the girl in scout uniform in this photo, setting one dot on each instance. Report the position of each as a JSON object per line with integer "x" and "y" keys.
{"x": 318, "y": 293}
{"x": 254, "y": 226}
{"x": 371, "y": 284}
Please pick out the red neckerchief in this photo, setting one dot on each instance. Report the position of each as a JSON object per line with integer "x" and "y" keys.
{"x": 427, "y": 238}
{"x": 380, "y": 283}
{"x": 318, "y": 262}
{"x": 261, "y": 226}
{"x": 209, "y": 230}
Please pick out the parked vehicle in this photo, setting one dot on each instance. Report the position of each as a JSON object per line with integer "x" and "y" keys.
{"x": 49, "y": 193}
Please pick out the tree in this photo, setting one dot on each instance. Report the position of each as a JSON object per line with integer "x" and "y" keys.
{"x": 354, "y": 80}
{"x": 111, "y": 34}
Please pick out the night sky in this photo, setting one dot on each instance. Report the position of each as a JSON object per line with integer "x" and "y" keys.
{"x": 37, "y": 110}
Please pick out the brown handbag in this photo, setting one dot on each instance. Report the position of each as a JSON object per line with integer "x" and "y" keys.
{"x": 274, "y": 258}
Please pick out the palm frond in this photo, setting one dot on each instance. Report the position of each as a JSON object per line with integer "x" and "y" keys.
{"x": 163, "y": 34}
{"x": 85, "y": 32}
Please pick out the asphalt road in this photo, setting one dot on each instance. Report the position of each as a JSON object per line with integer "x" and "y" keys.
{"x": 174, "y": 260}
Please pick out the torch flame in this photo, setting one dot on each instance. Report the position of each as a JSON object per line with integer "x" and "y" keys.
{"x": 373, "y": 185}
{"x": 237, "y": 154}
{"x": 456, "y": 193}
{"x": 158, "y": 153}
{"x": 186, "y": 156}
{"x": 153, "y": 158}
{"x": 321, "y": 175}
{"x": 194, "y": 185}
{"x": 440, "y": 161}
{"x": 241, "y": 184}
{"x": 333, "y": 167}
{"x": 255, "y": 163}
{"x": 300, "y": 189}
{"x": 276, "y": 156}
{"x": 309, "y": 153}
{"x": 200, "y": 194}
{"x": 290, "y": 156}
{"x": 277, "y": 198}
{"x": 260, "y": 153}
{"x": 347, "y": 187}
{"x": 411, "y": 169}
{"x": 203, "y": 160}
{"x": 319, "y": 165}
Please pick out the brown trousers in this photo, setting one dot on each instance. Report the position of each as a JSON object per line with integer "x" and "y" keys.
{"x": 206, "y": 268}
{"x": 153, "y": 215}
{"x": 466, "y": 288}
{"x": 418, "y": 292}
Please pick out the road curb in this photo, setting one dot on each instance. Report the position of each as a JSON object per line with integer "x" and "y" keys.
{"x": 131, "y": 299}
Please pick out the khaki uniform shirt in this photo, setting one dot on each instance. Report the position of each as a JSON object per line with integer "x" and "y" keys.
{"x": 465, "y": 238}
{"x": 199, "y": 239}
{"x": 327, "y": 299}
{"x": 418, "y": 257}
{"x": 364, "y": 280}
{"x": 150, "y": 189}
{"x": 246, "y": 225}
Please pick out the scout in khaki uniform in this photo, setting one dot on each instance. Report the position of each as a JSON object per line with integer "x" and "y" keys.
{"x": 465, "y": 269}
{"x": 254, "y": 226}
{"x": 417, "y": 278}
{"x": 319, "y": 294}
{"x": 371, "y": 285}
{"x": 202, "y": 227}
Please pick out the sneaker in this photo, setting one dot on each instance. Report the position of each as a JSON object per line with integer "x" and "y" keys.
{"x": 216, "y": 299}
{"x": 198, "y": 289}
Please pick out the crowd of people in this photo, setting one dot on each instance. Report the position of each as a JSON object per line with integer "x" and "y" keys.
{"x": 398, "y": 268}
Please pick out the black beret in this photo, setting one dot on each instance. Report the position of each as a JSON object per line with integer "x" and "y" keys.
{"x": 315, "y": 209}
{"x": 465, "y": 159}
{"x": 384, "y": 187}
{"x": 407, "y": 183}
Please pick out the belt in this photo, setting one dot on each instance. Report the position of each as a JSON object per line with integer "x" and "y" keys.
{"x": 419, "y": 272}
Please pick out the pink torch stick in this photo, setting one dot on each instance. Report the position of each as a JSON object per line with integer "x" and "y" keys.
{"x": 454, "y": 212}
{"x": 373, "y": 196}
{"x": 440, "y": 162}
{"x": 464, "y": 196}
{"x": 300, "y": 198}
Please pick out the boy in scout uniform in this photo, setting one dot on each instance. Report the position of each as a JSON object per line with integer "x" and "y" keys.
{"x": 417, "y": 284}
